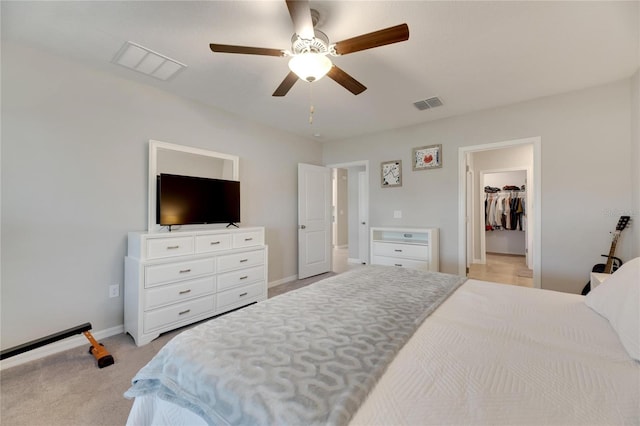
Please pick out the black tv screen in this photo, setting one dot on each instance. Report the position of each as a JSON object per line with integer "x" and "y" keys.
{"x": 184, "y": 200}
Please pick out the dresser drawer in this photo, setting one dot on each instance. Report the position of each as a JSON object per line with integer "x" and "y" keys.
{"x": 240, "y": 260}
{"x": 243, "y": 276}
{"x": 167, "y": 294}
{"x": 395, "y": 261}
{"x": 160, "y": 274}
{"x": 238, "y": 295}
{"x": 248, "y": 239}
{"x": 167, "y": 247}
{"x": 413, "y": 251}
{"x": 179, "y": 312}
{"x": 212, "y": 243}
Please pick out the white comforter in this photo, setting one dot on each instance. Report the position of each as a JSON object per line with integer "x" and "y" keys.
{"x": 493, "y": 354}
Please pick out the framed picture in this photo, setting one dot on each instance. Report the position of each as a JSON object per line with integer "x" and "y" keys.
{"x": 391, "y": 173}
{"x": 427, "y": 157}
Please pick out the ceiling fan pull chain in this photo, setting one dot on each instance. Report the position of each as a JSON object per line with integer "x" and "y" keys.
{"x": 311, "y": 105}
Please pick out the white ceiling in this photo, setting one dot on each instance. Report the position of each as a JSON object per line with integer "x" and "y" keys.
{"x": 473, "y": 55}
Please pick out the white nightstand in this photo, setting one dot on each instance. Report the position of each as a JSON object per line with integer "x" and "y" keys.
{"x": 598, "y": 278}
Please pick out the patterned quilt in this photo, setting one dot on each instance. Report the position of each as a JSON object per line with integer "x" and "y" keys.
{"x": 308, "y": 357}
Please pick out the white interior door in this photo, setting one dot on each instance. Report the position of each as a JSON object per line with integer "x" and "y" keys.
{"x": 314, "y": 220}
{"x": 363, "y": 217}
{"x": 469, "y": 216}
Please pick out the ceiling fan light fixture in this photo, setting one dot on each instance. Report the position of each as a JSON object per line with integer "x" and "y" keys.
{"x": 310, "y": 66}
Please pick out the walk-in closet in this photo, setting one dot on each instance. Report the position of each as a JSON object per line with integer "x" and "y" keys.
{"x": 501, "y": 243}
{"x": 505, "y": 216}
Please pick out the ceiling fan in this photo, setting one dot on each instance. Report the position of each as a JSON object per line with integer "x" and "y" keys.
{"x": 310, "y": 48}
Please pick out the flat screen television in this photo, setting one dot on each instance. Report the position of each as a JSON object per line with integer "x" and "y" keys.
{"x": 189, "y": 200}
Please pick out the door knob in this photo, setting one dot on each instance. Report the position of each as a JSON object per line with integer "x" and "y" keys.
{"x": 303, "y": 227}
{"x": 364, "y": 223}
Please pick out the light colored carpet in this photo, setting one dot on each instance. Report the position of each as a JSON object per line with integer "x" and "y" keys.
{"x": 69, "y": 389}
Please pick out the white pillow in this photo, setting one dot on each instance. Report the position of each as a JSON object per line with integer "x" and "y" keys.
{"x": 618, "y": 300}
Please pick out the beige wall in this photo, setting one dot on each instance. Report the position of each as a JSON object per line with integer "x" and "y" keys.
{"x": 74, "y": 182}
{"x": 586, "y": 175}
{"x": 634, "y": 233}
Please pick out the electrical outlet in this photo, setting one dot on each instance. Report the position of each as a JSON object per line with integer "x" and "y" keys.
{"x": 114, "y": 290}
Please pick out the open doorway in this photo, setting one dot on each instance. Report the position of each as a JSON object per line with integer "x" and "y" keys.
{"x": 503, "y": 214}
{"x": 350, "y": 215}
{"x": 491, "y": 247}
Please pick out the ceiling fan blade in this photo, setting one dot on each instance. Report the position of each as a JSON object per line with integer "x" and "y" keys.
{"x": 300, "y": 13}
{"x": 227, "y": 48}
{"x": 375, "y": 39}
{"x": 345, "y": 80}
{"x": 286, "y": 84}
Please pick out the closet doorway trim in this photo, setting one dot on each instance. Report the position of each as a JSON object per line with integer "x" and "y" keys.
{"x": 535, "y": 207}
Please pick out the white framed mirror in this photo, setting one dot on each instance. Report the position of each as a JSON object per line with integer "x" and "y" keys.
{"x": 185, "y": 160}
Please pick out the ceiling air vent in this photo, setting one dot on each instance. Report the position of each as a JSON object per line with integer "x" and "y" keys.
{"x": 148, "y": 62}
{"x": 428, "y": 103}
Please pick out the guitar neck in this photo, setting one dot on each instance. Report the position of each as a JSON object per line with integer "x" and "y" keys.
{"x": 609, "y": 266}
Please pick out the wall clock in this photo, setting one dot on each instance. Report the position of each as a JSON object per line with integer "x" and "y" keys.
{"x": 391, "y": 173}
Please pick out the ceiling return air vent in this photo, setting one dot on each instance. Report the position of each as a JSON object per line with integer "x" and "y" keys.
{"x": 146, "y": 61}
{"x": 428, "y": 103}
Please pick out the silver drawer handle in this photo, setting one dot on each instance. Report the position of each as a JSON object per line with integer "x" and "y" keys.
{"x": 244, "y": 260}
{"x": 398, "y": 250}
{"x": 245, "y": 277}
{"x": 213, "y": 243}
{"x": 408, "y": 235}
{"x": 185, "y": 291}
{"x": 248, "y": 239}
{"x": 243, "y": 294}
{"x": 172, "y": 247}
{"x": 184, "y": 312}
{"x": 184, "y": 271}
{"x": 398, "y": 264}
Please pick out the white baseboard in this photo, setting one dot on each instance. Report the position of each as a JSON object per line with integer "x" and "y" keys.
{"x": 283, "y": 281}
{"x": 352, "y": 260}
{"x": 60, "y": 346}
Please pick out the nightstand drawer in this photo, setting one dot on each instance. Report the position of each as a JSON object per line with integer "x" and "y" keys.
{"x": 167, "y": 247}
{"x": 413, "y": 251}
{"x": 160, "y": 274}
{"x": 179, "y": 312}
{"x": 405, "y": 263}
{"x": 239, "y": 295}
{"x": 172, "y": 293}
{"x": 248, "y": 239}
{"x": 212, "y": 243}
{"x": 240, "y": 260}
{"x": 243, "y": 276}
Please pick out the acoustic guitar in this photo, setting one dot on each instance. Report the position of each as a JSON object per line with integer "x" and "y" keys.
{"x": 613, "y": 262}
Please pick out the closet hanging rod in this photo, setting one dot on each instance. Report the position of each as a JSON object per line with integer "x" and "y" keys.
{"x": 508, "y": 191}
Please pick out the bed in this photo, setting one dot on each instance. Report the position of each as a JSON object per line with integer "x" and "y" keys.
{"x": 424, "y": 348}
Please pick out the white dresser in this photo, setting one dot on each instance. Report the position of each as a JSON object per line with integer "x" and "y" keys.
{"x": 415, "y": 248}
{"x": 174, "y": 279}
